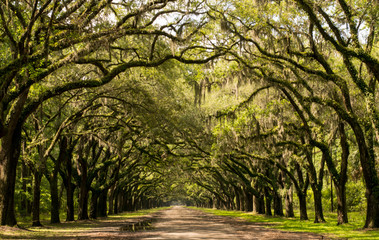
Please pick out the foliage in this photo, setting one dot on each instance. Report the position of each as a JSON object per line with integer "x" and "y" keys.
{"x": 246, "y": 105}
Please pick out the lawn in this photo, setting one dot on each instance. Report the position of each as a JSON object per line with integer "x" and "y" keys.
{"x": 352, "y": 230}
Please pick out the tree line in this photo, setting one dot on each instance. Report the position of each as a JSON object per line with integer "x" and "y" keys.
{"x": 102, "y": 104}
{"x": 314, "y": 68}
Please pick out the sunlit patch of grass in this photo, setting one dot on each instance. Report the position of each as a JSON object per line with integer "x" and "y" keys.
{"x": 352, "y": 230}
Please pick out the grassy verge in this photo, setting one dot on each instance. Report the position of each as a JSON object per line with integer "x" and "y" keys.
{"x": 66, "y": 229}
{"x": 352, "y": 230}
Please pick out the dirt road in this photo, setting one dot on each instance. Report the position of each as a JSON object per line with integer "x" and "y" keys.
{"x": 183, "y": 223}
{"x": 170, "y": 224}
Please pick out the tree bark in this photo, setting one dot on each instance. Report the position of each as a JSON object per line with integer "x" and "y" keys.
{"x": 102, "y": 204}
{"x": 64, "y": 155}
{"x": 110, "y": 201}
{"x": 242, "y": 201}
{"x": 70, "y": 192}
{"x": 372, "y": 218}
{"x": 67, "y": 179}
{"x": 248, "y": 201}
{"x": 268, "y": 200}
{"x": 341, "y": 184}
{"x": 36, "y": 198}
{"x": 278, "y": 204}
{"x": 120, "y": 202}
{"x": 83, "y": 196}
{"x": 316, "y": 183}
{"x": 259, "y": 205}
{"x": 125, "y": 203}
{"x": 303, "y": 205}
{"x": 289, "y": 203}
{"x": 25, "y": 204}
{"x": 54, "y": 216}
{"x": 115, "y": 204}
{"x": 10, "y": 147}
{"x": 237, "y": 198}
{"x": 370, "y": 175}
{"x": 94, "y": 204}
{"x": 301, "y": 192}
{"x": 83, "y": 185}
{"x": 319, "y": 216}
{"x": 341, "y": 205}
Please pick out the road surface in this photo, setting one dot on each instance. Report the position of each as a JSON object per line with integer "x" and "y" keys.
{"x": 188, "y": 224}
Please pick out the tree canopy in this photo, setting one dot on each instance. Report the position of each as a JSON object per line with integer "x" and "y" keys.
{"x": 123, "y": 105}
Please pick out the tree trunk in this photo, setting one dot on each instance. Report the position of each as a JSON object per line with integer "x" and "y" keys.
{"x": 242, "y": 201}
{"x": 303, "y": 205}
{"x": 289, "y": 203}
{"x": 83, "y": 187}
{"x": 268, "y": 201}
{"x": 64, "y": 157}
{"x": 125, "y": 203}
{"x": 278, "y": 204}
{"x": 70, "y": 193}
{"x": 237, "y": 199}
{"x": 25, "y": 204}
{"x": 259, "y": 205}
{"x": 83, "y": 198}
{"x": 341, "y": 184}
{"x": 319, "y": 216}
{"x": 102, "y": 204}
{"x": 110, "y": 201}
{"x": 129, "y": 204}
{"x": 341, "y": 205}
{"x": 143, "y": 203}
{"x": 94, "y": 201}
{"x": 36, "y": 198}
{"x": 115, "y": 204}
{"x": 54, "y": 216}
{"x": 372, "y": 214}
{"x": 10, "y": 147}
{"x": 248, "y": 201}
{"x": 370, "y": 174}
{"x": 120, "y": 202}
{"x": 210, "y": 203}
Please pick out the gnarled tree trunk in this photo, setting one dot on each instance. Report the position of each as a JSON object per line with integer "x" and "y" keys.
{"x": 10, "y": 146}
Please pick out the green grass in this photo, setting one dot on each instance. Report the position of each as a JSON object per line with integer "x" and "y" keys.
{"x": 65, "y": 229}
{"x": 352, "y": 230}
